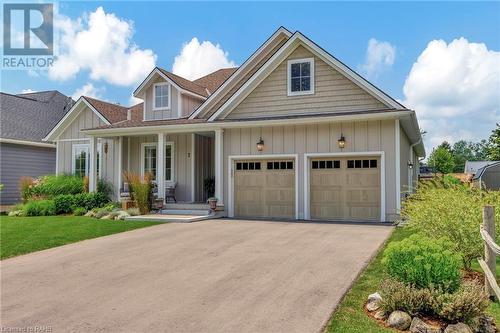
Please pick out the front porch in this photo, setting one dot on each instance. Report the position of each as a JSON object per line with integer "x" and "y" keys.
{"x": 184, "y": 162}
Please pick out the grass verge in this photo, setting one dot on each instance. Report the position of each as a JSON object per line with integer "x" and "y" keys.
{"x": 21, "y": 235}
{"x": 350, "y": 316}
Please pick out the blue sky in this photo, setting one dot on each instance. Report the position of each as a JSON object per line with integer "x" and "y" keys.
{"x": 342, "y": 28}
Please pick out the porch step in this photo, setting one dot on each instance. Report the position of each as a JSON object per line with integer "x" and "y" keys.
{"x": 195, "y": 212}
{"x": 188, "y": 206}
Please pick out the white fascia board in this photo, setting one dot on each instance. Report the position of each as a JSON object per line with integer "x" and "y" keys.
{"x": 138, "y": 91}
{"x": 27, "y": 143}
{"x": 210, "y": 126}
{"x": 280, "y": 56}
{"x": 70, "y": 116}
{"x": 240, "y": 69}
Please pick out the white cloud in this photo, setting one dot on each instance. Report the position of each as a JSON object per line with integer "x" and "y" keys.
{"x": 101, "y": 43}
{"x": 198, "y": 59}
{"x": 27, "y": 91}
{"x": 134, "y": 100}
{"x": 454, "y": 89}
{"x": 87, "y": 90}
{"x": 379, "y": 56}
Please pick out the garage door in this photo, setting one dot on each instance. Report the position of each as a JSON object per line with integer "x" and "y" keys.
{"x": 264, "y": 188}
{"x": 345, "y": 188}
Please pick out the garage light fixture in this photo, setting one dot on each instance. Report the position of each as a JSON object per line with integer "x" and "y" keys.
{"x": 341, "y": 141}
{"x": 260, "y": 144}
{"x": 410, "y": 165}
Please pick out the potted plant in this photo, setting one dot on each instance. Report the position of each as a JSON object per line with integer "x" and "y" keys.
{"x": 213, "y": 203}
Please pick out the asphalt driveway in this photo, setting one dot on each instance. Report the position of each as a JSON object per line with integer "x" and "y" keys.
{"x": 211, "y": 276}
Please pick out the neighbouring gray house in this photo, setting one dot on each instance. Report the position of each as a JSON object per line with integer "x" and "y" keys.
{"x": 25, "y": 119}
{"x": 472, "y": 167}
{"x": 488, "y": 177}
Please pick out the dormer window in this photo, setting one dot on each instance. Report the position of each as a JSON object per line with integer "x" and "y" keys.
{"x": 161, "y": 96}
{"x": 301, "y": 77}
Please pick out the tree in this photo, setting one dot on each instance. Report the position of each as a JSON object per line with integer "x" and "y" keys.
{"x": 441, "y": 160}
{"x": 445, "y": 145}
{"x": 493, "y": 145}
{"x": 463, "y": 151}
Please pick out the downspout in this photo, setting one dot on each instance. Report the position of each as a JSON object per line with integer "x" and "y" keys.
{"x": 410, "y": 174}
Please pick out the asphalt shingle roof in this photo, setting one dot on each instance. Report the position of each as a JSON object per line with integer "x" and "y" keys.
{"x": 30, "y": 117}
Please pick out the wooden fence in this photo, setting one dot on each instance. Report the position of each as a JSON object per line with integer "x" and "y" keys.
{"x": 491, "y": 250}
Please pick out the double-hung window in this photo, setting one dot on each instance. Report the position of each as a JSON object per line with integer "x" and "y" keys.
{"x": 161, "y": 96}
{"x": 80, "y": 163}
{"x": 301, "y": 77}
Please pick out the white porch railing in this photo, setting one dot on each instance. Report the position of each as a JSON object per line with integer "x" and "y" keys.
{"x": 491, "y": 250}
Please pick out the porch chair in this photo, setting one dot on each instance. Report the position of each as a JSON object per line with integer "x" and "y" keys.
{"x": 170, "y": 191}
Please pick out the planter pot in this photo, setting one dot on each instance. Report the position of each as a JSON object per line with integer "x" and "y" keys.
{"x": 213, "y": 204}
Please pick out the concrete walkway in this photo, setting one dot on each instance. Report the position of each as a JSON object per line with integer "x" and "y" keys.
{"x": 210, "y": 276}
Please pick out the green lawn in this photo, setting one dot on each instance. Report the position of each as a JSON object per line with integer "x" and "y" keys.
{"x": 21, "y": 235}
{"x": 350, "y": 316}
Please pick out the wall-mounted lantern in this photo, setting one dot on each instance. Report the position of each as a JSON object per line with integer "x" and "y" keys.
{"x": 410, "y": 165}
{"x": 260, "y": 144}
{"x": 341, "y": 141}
{"x": 105, "y": 148}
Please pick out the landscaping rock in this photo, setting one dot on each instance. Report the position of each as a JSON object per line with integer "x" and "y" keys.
{"x": 373, "y": 302}
{"x": 122, "y": 215}
{"x": 483, "y": 324}
{"x": 380, "y": 315}
{"x": 374, "y": 297}
{"x": 458, "y": 328}
{"x": 420, "y": 326}
{"x": 399, "y": 320}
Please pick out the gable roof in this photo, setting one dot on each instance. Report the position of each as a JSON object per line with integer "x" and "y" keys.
{"x": 474, "y": 166}
{"x": 239, "y": 77}
{"x": 214, "y": 80}
{"x": 112, "y": 112}
{"x": 29, "y": 117}
{"x": 185, "y": 83}
{"x": 278, "y": 57}
{"x": 480, "y": 172}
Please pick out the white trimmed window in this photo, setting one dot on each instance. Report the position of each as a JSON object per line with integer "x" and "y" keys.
{"x": 300, "y": 77}
{"x": 161, "y": 96}
{"x": 149, "y": 159}
{"x": 80, "y": 160}
{"x": 169, "y": 161}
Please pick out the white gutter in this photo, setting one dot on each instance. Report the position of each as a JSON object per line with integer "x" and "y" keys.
{"x": 410, "y": 174}
{"x": 28, "y": 143}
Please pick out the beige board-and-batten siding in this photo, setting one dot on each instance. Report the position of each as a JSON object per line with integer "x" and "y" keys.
{"x": 171, "y": 112}
{"x": 362, "y": 136}
{"x": 333, "y": 92}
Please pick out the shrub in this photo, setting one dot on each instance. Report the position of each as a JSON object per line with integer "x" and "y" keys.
{"x": 424, "y": 262}
{"x": 64, "y": 203}
{"x": 468, "y": 302}
{"x": 398, "y": 296}
{"x": 90, "y": 200}
{"x": 133, "y": 211}
{"x": 141, "y": 190}
{"x": 455, "y": 213}
{"x": 40, "y": 208}
{"x": 105, "y": 187}
{"x": 79, "y": 211}
{"x": 25, "y": 188}
{"x": 53, "y": 185}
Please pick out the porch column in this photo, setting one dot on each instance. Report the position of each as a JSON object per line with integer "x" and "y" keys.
{"x": 219, "y": 166}
{"x": 160, "y": 166}
{"x": 93, "y": 164}
{"x": 120, "y": 166}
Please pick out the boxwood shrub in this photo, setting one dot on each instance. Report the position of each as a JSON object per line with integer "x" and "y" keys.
{"x": 90, "y": 200}
{"x": 64, "y": 203}
{"x": 424, "y": 262}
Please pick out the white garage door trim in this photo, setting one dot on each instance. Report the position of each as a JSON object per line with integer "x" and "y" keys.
{"x": 230, "y": 176}
{"x": 307, "y": 189}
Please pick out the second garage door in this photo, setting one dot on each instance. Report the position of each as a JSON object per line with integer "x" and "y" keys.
{"x": 264, "y": 188}
{"x": 345, "y": 188}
